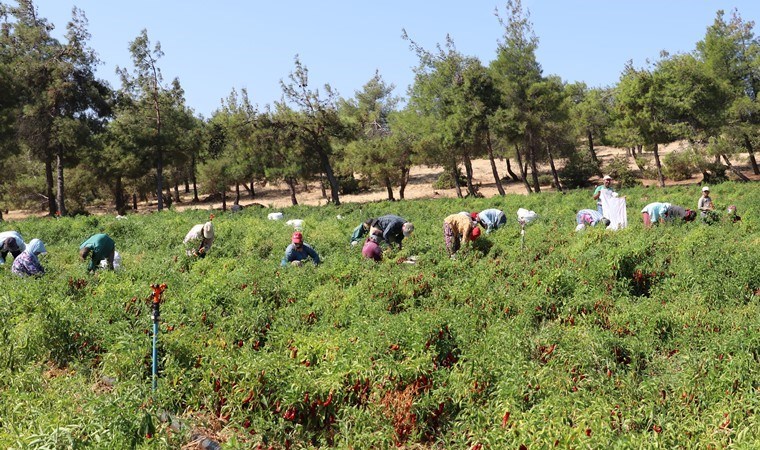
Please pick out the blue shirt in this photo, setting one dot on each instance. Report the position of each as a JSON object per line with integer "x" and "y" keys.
{"x": 656, "y": 211}
{"x": 492, "y": 218}
{"x": 293, "y": 254}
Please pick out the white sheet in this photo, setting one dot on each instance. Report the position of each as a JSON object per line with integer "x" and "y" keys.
{"x": 614, "y": 208}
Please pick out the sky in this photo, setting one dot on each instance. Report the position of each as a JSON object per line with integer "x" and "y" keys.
{"x": 213, "y": 47}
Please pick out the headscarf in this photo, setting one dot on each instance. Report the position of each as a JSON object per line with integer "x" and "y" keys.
{"x": 36, "y": 247}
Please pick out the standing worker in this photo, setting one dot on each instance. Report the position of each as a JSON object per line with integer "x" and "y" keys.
{"x": 298, "y": 252}
{"x": 28, "y": 263}
{"x": 199, "y": 239}
{"x": 98, "y": 247}
{"x": 605, "y": 186}
{"x": 393, "y": 229}
{"x": 705, "y": 204}
{"x": 458, "y": 227}
{"x": 10, "y": 242}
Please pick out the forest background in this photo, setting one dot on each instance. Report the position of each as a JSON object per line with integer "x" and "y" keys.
{"x": 72, "y": 143}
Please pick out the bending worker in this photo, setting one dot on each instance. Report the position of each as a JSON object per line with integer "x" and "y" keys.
{"x": 98, "y": 247}
{"x": 589, "y": 218}
{"x": 199, "y": 239}
{"x": 10, "y": 242}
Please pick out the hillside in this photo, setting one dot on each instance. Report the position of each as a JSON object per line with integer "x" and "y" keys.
{"x": 635, "y": 338}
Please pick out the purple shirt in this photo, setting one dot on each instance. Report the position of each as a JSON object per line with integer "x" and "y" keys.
{"x": 372, "y": 250}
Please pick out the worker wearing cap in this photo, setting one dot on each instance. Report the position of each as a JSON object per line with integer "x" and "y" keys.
{"x": 10, "y": 242}
{"x": 605, "y": 186}
{"x": 393, "y": 229}
{"x": 98, "y": 247}
{"x": 705, "y": 203}
{"x": 298, "y": 252}
{"x": 458, "y": 227}
{"x": 491, "y": 219}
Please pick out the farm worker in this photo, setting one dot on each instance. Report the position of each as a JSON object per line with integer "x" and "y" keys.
{"x": 589, "y": 218}
{"x": 28, "y": 263}
{"x": 490, "y": 219}
{"x": 98, "y": 247}
{"x": 372, "y": 249}
{"x": 361, "y": 230}
{"x": 298, "y": 252}
{"x": 731, "y": 211}
{"x": 705, "y": 203}
{"x": 458, "y": 227}
{"x": 199, "y": 239}
{"x": 393, "y": 229}
{"x": 660, "y": 212}
{"x": 10, "y": 242}
{"x": 605, "y": 186}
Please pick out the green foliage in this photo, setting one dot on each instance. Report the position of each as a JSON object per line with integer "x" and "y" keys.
{"x": 621, "y": 333}
{"x": 678, "y": 166}
{"x": 620, "y": 170}
{"x": 446, "y": 180}
{"x": 580, "y": 167}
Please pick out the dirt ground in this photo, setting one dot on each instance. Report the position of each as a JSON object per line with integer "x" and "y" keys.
{"x": 420, "y": 186}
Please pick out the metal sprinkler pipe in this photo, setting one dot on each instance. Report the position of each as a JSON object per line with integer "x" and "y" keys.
{"x": 156, "y": 298}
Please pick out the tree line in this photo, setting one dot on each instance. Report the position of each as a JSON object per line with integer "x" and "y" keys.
{"x": 68, "y": 138}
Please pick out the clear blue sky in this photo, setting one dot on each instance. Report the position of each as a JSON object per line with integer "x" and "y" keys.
{"x": 213, "y": 47}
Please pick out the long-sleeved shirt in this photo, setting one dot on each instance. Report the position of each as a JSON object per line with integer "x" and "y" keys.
{"x": 391, "y": 227}
{"x": 492, "y": 218}
{"x": 294, "y": 254}
{"x": 588, "y": 217}
{"x": 27, "y": 264}
{"x": 460, "y": 224}
{"x": 372, "y": 251}
{"x": 201, "y": 234}
{"x": 359, "y": 232}
{"x": 705, "y": 204}
{"x": 657, "y": 211}
{"x": 101, "y": 246}
{"x": 4, "y": 236}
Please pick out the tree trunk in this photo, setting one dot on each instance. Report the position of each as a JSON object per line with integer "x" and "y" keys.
{"x": 734, "y": 169}
{"x": 187, "y": 186}
{"x": 334, "y": 185}
{"x": 322, "y": 184}
{"x": 292, "y": 186}
{"x": 389, "y": 188}
{"x": 455, "y": 174}
{"x": 60, "y": 196}
{"x": 660, "y": 176}
{"x": 523, "y": 169}
{"x": 177, "y": 198}
{"x": 194, "y": 180}
{"x": 750, "y": 150}
{"x": 468, "y": 171}
{"x": 134, "y": 201}
{"x": 118, "y": 197}
{"x": 253, "y": 190}
{"x": 554, "y": 169}
{"x": 591, "y": 149}
{"x": 404, "y": 180}
{"x": 248, "y": 189}
{"x": 512, "y": 175}
{"x": 160, "y": 180}
{"x": 495, "y": 171}
{"x": 532, "y": 161}
{"x": 224, "y": 199}
{"x": 52, "y": 208}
